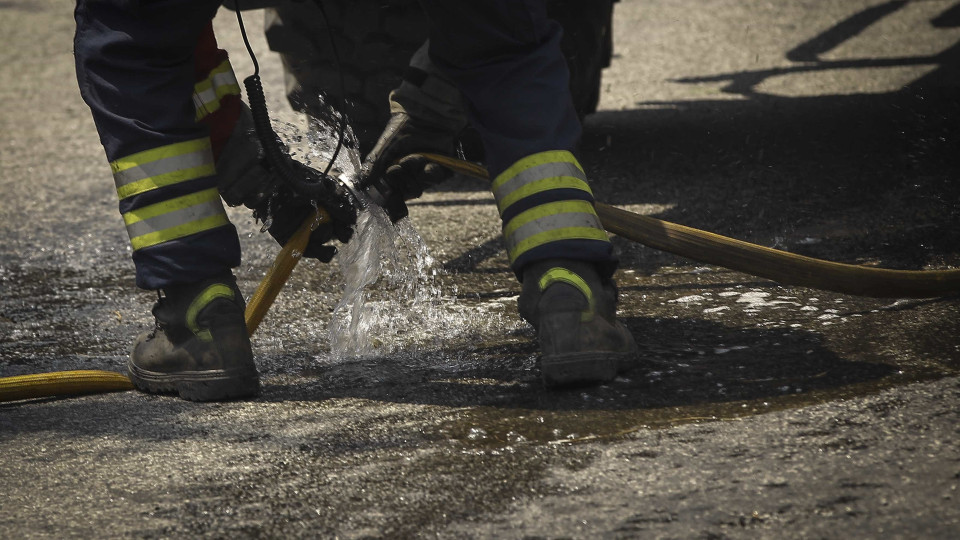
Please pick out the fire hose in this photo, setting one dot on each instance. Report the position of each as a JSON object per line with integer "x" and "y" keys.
{"x": 780, "y": 266}
{"x": 706, "y": 247}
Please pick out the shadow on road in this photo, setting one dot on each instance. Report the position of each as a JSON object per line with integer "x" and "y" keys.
{"x": 858, "y": 178}
{"x": 686, "y": 362}
{"x": 863, "y": 177}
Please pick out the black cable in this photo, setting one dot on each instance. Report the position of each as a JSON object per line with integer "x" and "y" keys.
{"x": 269, "y": 140}
{"x": 246, "y": 42}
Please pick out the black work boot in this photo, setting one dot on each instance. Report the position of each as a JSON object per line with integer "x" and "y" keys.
{"x": 200, "y": 348}
{"x": 574, "y": 312}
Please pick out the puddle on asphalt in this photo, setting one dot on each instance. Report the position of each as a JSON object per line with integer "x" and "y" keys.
{"x": 494, "y": 428}
{"x": 394, "y": 304}
{"x": 707, "y": 372}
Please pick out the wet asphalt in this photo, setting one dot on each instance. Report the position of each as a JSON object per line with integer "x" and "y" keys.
{"x": 825, "y": 128}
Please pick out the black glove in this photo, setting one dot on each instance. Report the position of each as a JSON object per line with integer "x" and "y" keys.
{"x": 247, "y": 178}
{"x": 284, "y": 210}
{"x": 390, "y": 175}
{"x": 427, "y": 115}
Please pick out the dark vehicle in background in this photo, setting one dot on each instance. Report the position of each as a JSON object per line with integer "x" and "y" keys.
{"x": 375, "y": 39}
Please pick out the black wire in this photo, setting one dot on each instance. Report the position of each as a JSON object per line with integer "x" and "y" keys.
{"x": 336, "y": 60}
{"x": 246, "y": 42}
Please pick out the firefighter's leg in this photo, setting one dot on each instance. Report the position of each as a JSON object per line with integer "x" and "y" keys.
{"x": 505, "y": 57}
{"x": 136, "y": 70}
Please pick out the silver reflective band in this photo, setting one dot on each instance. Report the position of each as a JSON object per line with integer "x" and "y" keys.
{"x": 538, "y": 172}
{"x": 552, "y": 222}
{"x": 221, "y": 84}
{"x": 206, "y": 209}
{"x": 163, "y": 166}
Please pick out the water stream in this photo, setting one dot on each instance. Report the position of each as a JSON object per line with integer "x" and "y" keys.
{"x": 393, "y": 301}
{"x": 391, "y": 297}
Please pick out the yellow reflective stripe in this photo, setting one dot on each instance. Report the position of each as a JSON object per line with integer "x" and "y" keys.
{"x": 545, "y": 210}
{"x": 209, "y": 102}
{"x": 554, "y": 235}
{"x": 226, "y": 85}
{"x": 168, "y": 214}
{"x": 546, "y": 184}
{"x": 170, "y": 150}
{"x": 175, "y": 177}
{"x": 222, "y": 67}
{"x": 570, "y": 220}
{"x": 179, "y": 231}
{"x": 564, "y": 275}
{"x": 174, "y": 217}
{"x": 534, "y": 160}
{"x": 547, "y": 170}
{"x": 163, "y": 166}
{"x": 222, "y": 75}
{"x": 172, "y": 205}
{"x": 211, "y": 293}
{"x": 208, "y": 92}
{"x": 205, "y": 103}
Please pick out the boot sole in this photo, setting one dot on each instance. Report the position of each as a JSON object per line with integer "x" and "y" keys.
{"x": 581, "y": 369}
{"x": 211, "y": 385}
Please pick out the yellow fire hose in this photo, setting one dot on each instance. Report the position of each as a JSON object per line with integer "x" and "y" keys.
{"x": 74, "y": 383}
{"x": 62, "y": 383}
{"x": 780, "y": 266}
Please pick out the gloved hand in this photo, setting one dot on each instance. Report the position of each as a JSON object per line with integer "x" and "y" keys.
{"x": 427, "y": 115}
{"x": 285, "y": 210}
{"x": 247, "y": 178}
{"x": 391, "y": 175}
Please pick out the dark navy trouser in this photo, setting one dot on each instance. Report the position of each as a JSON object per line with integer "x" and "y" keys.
{"x": 505, "y": 57}
{"x": 136, "y": 70}
{"x": 136, "y": 63}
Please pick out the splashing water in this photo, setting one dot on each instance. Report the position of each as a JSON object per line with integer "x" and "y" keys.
{"x": 317, "y": 148}
{"x": 380, "y": 283}
{"x": 393, "y": 301}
